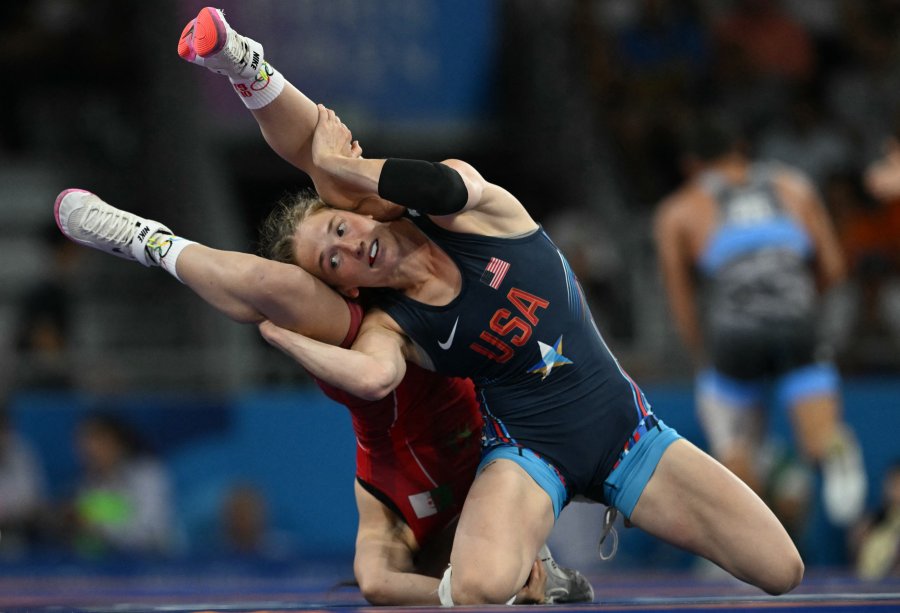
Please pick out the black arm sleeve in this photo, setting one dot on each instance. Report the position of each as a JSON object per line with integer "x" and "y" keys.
{"x": 428, "y": 187}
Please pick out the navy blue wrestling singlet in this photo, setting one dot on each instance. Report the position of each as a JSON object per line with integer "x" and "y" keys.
{"x": 520, "y": 328}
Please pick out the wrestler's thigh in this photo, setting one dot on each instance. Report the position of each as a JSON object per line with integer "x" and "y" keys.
{"x": 506, "y": 518}
{"x": 694, "y": 502}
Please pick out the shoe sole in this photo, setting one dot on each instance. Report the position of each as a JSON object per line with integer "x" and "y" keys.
{"x": 210, "y": 32}
{"x": 58, "y": 202}
{"x": 186, "y": 42}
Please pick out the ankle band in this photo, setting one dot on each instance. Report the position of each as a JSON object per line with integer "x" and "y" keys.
{"x": 164, "y": 249}
{"x": 262, "y": 90}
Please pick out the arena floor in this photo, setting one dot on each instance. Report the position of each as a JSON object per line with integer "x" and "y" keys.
{"x": 324, "y": 589}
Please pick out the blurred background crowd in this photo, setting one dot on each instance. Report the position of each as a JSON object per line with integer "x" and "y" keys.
{"x": 575, "y": 106}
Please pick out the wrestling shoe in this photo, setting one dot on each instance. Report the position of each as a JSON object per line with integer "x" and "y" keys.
{"x": 563, "y": 584}
{"x": 87, "y": 220}
{"x": 209, "y": 41}
{"x": 844, "y": 484}
{"x": 186, "y": 49}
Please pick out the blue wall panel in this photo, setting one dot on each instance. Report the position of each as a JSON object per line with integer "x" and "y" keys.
{"x": 297, "y": 447}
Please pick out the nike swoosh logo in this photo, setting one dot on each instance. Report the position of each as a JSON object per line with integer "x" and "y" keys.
{"x": 446, "y": 344}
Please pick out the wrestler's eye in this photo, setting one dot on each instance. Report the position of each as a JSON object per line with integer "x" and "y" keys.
{"x": 341, "y": 228}
{"x": 334, "y": 261}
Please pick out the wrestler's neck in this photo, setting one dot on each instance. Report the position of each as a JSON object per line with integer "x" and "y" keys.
{"x": 735, "y": 168}
{"x": 426, "y": 272}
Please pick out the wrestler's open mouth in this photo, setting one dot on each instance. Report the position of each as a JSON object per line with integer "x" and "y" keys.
{"x": 373, "y": 251}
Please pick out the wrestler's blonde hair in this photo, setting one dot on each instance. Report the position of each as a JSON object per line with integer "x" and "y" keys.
{"x": 276, "y": 234}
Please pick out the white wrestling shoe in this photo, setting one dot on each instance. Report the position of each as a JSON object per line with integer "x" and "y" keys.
{"x": 844, "y": 483}
{"x": 564, "y": 585}
{"x": 87, "y": 220}
{"x": 208, "y": 40}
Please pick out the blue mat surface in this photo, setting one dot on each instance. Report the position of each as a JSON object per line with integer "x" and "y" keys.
{"x": 323, "y": 587}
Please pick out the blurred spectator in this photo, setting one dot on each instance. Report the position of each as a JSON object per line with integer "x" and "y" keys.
{"x": 745, "y": 248}
{"x": 591, "y": 251}
{"x": 761, "y": 52}
{"x": 882, "y": 180}
{"x": 881, "y": 282}
{"x": 22, "y": 491}
{"x": 867, "y": 215}
{"x": 805, "y": 138}
{"x": 876, "y": 541}
{"x": 246, "y": 529}
{"x": 822, "y": 19}
{"x": 122, "y": 503}
{"x": 45, "y": 320}
{"x": 665, "y": 52}
{"x": 244, "y": 520}
{"x": 862, "y": 84}
{"x": 59, "y": 41}
{"x": 660, "y": 63}
{"x": 865, "y": 320}
{"x": 767, "y": 41}
{"x": 540, "y": 70}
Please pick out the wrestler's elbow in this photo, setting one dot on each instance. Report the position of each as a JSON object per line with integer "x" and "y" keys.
{"x": 377, "y": 381}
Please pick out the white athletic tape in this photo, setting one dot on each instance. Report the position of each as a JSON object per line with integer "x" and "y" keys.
{"x": 444, "y": 589}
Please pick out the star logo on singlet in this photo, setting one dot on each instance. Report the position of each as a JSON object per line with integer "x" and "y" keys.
{"x": 551, "y": 357}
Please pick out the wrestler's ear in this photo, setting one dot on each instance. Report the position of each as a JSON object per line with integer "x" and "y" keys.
{"x": 349, "y": 292}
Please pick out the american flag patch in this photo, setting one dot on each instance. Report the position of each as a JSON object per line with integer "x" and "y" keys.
{"x": 494, "y": 272}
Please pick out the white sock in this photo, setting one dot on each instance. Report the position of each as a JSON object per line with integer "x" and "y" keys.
{"x": 261, "y": 90}
{"x": 164, "y": 249}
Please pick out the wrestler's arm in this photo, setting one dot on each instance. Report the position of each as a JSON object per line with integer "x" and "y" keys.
{"x": 371, "y": 369}
{"x": 287, "y": 125}
{"x": 452, "y": 192}
{"x": 250, "y": 289}
{"x": 676, "y": 266}
{"x": 831, "y": 268}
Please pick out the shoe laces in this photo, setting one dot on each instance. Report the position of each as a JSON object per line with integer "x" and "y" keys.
{"x": 236, "y": 48}
{"x": 108, "y": 225}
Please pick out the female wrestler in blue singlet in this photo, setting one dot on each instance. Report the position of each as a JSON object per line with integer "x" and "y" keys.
{"x": 475, "y": 288}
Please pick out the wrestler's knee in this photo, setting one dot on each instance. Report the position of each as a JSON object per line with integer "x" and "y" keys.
{"x": 783, "y": 572}
{"x": 477, "y": 587}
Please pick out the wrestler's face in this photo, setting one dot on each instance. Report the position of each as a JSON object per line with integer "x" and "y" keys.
{"x": 345, "y": 250}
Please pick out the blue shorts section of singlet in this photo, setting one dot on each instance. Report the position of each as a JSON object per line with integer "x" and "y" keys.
{"x": 543, "y": 473}
{"x": 625, "y": 484}
{"x": 790, "y": 388}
